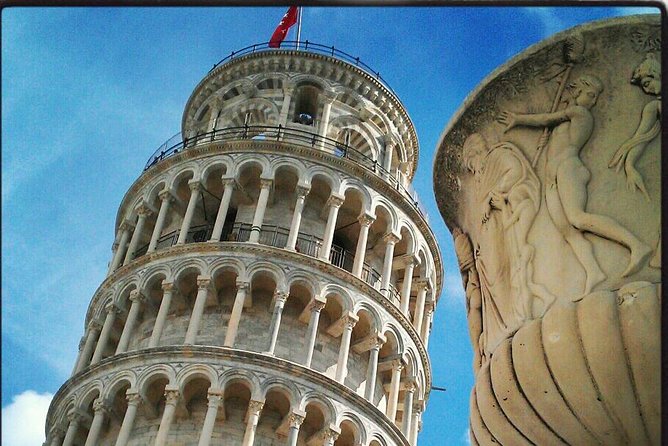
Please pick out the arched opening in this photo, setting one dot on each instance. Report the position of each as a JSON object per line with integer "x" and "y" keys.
{"x": 118, "y": 405}
{"x": 292, "y": 332}
{"x": 375, "y": 253}
{"x": 278, "y": 216}
{"x": 361, "y": 341}
{"x": 150, "y": 411}
{"x": 195, "y": 401}
{"x": 255, "y": 321}
{"x": 326, "y": 349}
{"x": 314, "y": 216}
{"x": 274, "y": 417}
{"x": 349, "y": 434}
{"x": 183, "y": 301}
{"x": 236, "y": 399}
{"x": 305, "y": 108}
{"x": 388, "y": 359}
{"x": 312, "y": 429}
{"x": 245, "y": 200}
{"x": 347, "y": 230}
{"x": 225, "y": 284}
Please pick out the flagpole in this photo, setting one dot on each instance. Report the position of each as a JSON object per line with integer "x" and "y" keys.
{"x": 299, "y": 24}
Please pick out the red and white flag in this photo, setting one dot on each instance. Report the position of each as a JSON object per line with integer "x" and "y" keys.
{"x": 289, "y": 19}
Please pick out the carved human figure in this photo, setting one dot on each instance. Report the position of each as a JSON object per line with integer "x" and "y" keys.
{"x": 509, "y": 192}
{"x": 567, "y": 179}
{"x": 648, "y": 76}
{"x": 471, "y": 283}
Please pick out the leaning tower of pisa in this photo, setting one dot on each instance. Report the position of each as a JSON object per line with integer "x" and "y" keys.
{"x": 273, "y": 276}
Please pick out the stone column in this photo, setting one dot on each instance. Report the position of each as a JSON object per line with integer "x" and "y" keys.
{"x": 312, "y": 332}
{"x": 215, "y": 398}
{"x": 406, "y": 289}
{"x": 409, "y": 390}
{"x": 329, "y": 437}
{"x": 143, "y": 213}
{"x": 118, "y": 255}
{"x": 203, "y": 286}
{"x": 349, "y": 322}
{"x": 74, "y": 418}
{"x": 334, "y": 202}
{"x": 365, "y": 222}
{"x": 390, "y": 144}
{"x": 258, "y": 218}
{"x": 280, "y": 298}
{"x": 419, "y": 306}
{"x": 230, "y": 184}
{"x": 285, "y": 108}
{"x": 100, "y": 408}
{"x": 136, "y": 297}
{"x": 112, "y": 312}
{"x": 296, "y": 217}
{"x": 426, "y": 324}
{"x": 394, "y": 390}
{"x": 295, "y": 420}
{"x": 326, "y": 110}
{"x": 253, "y": 416}
{"x": 134, "y": 399}
{"x": 172, "y": 398}
{"x": 415, "y": 425}
{"x": 195, "y": 187}
{"x": 167, "y": 291}
{"x": 55, "y": 437}
{"x": 166, "y": 199}
{"x": 233, "y": 326}
{"x": 372, "y": 369}
{"x": 92, "y": 334}
{"x": 390, "y": 240}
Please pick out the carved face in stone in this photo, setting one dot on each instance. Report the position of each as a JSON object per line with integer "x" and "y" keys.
{"x": 648, "y": 75}
{"x": 585, "y": 90}
{"x": 473, "y": 152}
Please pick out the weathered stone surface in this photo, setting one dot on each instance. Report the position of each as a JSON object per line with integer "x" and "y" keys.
{"x": 549, "y": 178}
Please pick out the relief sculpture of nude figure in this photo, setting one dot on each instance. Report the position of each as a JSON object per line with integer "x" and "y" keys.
{"x": 567, "y": 179}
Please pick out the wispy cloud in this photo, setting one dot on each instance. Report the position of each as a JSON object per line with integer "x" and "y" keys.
{"x": 23, "y": 420}
{"x": 547, "y": 17}
{"x": 634, "y": 10}
{"x": 467, "y": 436}
{"x": 453, "y": 290}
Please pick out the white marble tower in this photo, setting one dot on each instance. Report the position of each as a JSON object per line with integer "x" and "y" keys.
{"x": 273, "y": 276}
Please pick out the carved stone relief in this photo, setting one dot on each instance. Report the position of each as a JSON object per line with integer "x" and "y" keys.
{"x": 548, "y": 177}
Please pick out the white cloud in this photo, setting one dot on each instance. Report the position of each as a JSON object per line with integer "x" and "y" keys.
{"x": 453, "y": 290}
{"x": 548, "y": 18}
{"x": 23, "y": 420}
{"x": 467, "y": 436}
{"x": 633, "y": 10}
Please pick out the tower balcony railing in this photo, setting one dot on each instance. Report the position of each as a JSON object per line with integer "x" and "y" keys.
{"x": 302, "y": 138}
{"x": 305, "y": 45}
{"x": 276, "y": 236}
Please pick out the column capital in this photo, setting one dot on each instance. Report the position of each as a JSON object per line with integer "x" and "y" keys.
{"x": 389, "y": 139}
{"x": 295, "y": 420}
{"x": 421, "y": 283}
{"x": 74, "y": 416}
{"x": 113, "y": 308}
{"x": 409, "y": 385}
{"x": 378, "y": 341}
{"x": 281, "y": 296}
{"x": 137, "y": 296}
{"x": 429, "y": 306}
{"x": 203, "y": 282}
{"x": 398, "y": 364}
{"x": 242, "y": 285}
{"x": 227, "y": 181}
{"x": 94, "y": 325}
{"x": 133, "y": 397}
{"x": 172, "y": 396}
{"x": 167, "y": 286}
{"x": 144, "y": 210}
{"x": 215, "y": 398}
{"x": 266, "y": 183}
{"x": 56, "y": 432}
{"x": 166, "y": 195}
{"x": 349, "y": 320}
{"x": 82, "y": 342}
{"x": 335, "y": 200}
{"x": 316, "y": 305}
{"x": 194, "y": 185}
{"x": 366, "y": 219}
{"x": 302, "y": 191}
{"x": 330, "y": 435}
{"x": 328, "y": 96}
{"x": 254, "y": 406}
{"x": 391, "y": 237}
{"x": 126, "y": 225}
{"x": 100, "y": 405}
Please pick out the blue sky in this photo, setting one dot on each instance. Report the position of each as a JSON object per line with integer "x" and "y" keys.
{"x": 89, "y": 93}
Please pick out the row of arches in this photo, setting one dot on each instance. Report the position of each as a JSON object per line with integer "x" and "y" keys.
{"x": 202, "y": 403}
{"x": 308, "y": 103}
{"x": 299, "y": 316}
{"x": 285, "y": 203}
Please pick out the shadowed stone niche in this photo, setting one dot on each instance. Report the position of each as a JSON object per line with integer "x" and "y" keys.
{"x": 548, "y": 178}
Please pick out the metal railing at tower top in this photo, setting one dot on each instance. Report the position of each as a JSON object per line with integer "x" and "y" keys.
{"x": 176, "y": 144}
{"x": 305, "y": 45}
